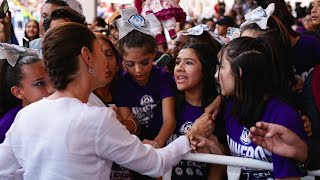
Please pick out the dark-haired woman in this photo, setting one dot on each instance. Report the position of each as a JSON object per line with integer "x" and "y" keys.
{"x": 62, "y": 137}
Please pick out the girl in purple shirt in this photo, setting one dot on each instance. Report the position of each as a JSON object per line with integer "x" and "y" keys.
{"x": 193, "y": 72}
{"x": 23, "y": 81}
{"x": 246, "y": 77}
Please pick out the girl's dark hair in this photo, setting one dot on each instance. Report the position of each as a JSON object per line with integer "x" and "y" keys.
{"x": 252, "y": 62}
{"x": 57, "y": 2}
{"x": 208, "y": 58}
{"x": 37, "y": 35}
{"x": 204, "y": 38}
{"x": 64, "y": 12}
{"x": 61, "y": 47}
{"x": 137, "y": 39}
{"x": 283, "y": 66}
{"x": 281, "y": 12}
{"x": 9, "y": 77}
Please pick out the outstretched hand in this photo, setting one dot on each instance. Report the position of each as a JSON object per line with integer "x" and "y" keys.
{"x": 208, "y": 145}
{"x": 279, "y": 140}
{"x": 203, "y": 126}
{"x": 5, "y": 28}
{"x": 214, "y": 107}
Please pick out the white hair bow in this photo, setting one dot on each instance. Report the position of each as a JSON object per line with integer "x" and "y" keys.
{"x": 11, "y": 53}
{"x": 130, "y": 20}
{"x": 199, "y": 29}
{"x": 259, "y": 16}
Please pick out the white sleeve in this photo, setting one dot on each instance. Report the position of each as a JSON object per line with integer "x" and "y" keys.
{"x": 115, "y": 143}
{"x": 8, "y": 162}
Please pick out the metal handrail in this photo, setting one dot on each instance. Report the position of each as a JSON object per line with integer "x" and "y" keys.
{"x": 230, "y": 161}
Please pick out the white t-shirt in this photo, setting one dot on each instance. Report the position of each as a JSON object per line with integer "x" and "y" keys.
{"x": 68, "y": 139}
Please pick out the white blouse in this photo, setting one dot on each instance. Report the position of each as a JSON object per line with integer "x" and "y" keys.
{"x": 68, "y": 139}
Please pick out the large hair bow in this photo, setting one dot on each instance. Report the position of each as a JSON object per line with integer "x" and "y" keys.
{"x": 130, "y": 20}
{"x": 259, "y": 16}
{"x": 12, "y": 53}
{"x": 199, "y": 29}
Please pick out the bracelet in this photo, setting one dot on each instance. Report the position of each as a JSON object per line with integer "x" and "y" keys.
{"x": 135, "y": 125}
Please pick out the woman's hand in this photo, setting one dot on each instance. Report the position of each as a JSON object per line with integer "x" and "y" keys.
{"x": 203, "y": 126}
{"x": 5, "y": 28}
{"x": 201, "y": 144}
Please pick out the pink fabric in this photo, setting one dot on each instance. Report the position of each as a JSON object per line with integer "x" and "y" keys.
{"x": 315, "y": 85}
{"x": 138, "y": 5}
{"x": 164, "y": 9}
{"x": 165, "y": 14}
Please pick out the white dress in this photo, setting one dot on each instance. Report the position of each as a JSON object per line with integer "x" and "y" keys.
{"x": 68, "y": 139}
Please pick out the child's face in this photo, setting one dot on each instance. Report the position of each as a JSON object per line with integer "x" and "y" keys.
{"x": 188, "y": 70}
{"x": 315, "y": 13}
{"x": 112, "y": 60}
{"x": 35, "y": 85}
{"x": 138, "y": 64}
{"x": 225, "y": 77}
{"x": 32, "y": 29}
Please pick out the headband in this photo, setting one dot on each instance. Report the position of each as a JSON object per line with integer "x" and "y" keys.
{"x": 259, "y": 16}
{"x": 130, "y": 20}
{"x": 199, "y": 29}
{"x": 12, "y": 53}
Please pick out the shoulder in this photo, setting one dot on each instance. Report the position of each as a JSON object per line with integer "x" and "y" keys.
{"x": 306, "y": 41}
{"x": 278, "y": 106}
{"x": 160, "y": 75}
{"x": 281, "y": 113}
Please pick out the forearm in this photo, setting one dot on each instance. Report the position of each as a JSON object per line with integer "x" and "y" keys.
{"x": 127, "y": 150}
{"x": 9, "y": 164}
{"x": 165, "y": 132}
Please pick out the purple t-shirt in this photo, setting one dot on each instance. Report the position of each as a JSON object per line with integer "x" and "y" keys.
{"x": 188, "y": 170}
{"x": 240, "y": 145}
{"x": 305, "y": 55}
{"x": 187, "y": 115}
{"x": 7, "y": 120}
{"x": 145, "y": 101}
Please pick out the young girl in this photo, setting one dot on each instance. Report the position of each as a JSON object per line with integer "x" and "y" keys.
{"x": 32, "y": 30}
{"x": 145, "y": 90}
{"x": 193, "y": 72}
{"x": 23, "y": 81}
{"x": 102, "y": 96}
{"x": 246, "y": 77}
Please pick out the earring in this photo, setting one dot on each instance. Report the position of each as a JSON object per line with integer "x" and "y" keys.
{"x": 91, "y": 70}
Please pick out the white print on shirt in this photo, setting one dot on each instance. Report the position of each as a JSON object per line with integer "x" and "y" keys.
{"x": 244, "y": 138}
{"x": 120, "y": 175}
{"x": 303, "y": 75}
{"x": 259, "y": 175}
{"x": 145, "y": 113}
{"x": 240, "y": 150}
{"x": 185, "y": 127}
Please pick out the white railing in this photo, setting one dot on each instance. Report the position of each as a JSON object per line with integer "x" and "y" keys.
{"x": 230, "y": 161}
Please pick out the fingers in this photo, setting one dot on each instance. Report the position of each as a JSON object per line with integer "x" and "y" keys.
{"x": 258, "y": 141}
{"x": 257, "y": 131}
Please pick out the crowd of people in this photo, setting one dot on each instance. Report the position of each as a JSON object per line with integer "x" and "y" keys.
{"x": 118, "y": 101}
